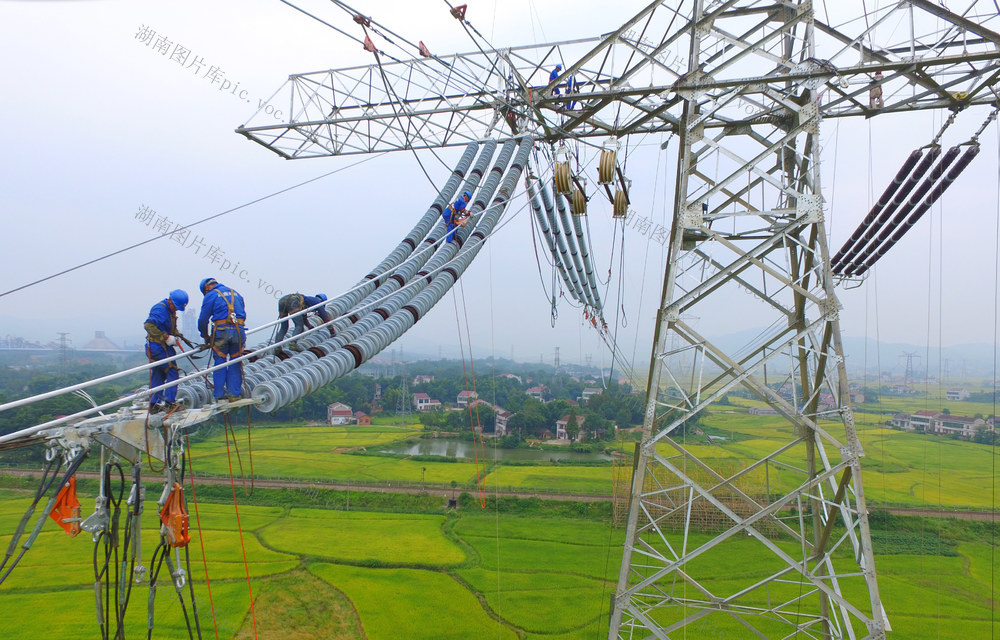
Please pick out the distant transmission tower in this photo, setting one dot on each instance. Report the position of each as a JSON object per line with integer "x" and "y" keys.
{"x": 377, "y": 399}
{"x": 63, "y": 348}
{"x": 403, "y": 398}
{"x": 908, "y": 376}
{"x": 555, "y": 360}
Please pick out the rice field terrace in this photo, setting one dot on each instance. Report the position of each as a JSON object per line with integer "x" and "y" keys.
{"x": 502, "y": 571}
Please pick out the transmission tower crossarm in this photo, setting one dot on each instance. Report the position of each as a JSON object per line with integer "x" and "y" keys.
{"x": 455, "y": 99}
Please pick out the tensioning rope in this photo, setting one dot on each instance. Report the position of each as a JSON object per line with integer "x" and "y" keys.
{"x": 239, "y": 528}
{"x": 201, "y": 534}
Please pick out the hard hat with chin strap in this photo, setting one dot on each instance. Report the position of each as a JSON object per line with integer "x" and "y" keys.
{"x": 206, "y": 283}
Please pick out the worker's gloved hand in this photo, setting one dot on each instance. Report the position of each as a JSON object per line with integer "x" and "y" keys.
{"x": 171, "y": 341}
{"x": 332, "y": 331}
{"x": 202, "y": 347}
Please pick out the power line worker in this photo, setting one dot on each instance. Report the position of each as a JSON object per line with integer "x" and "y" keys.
{"x": 455, "y": 215}
{"x": 295, "y": 302}
{"x": 552, "y": 76}
{"x": 572, "y": 86}
{"x": 224, "y": 307}
{"x": 161, "y": 338}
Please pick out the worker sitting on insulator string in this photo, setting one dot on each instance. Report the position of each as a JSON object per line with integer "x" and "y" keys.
{"x": 455, "y": 215}
{"x": 224, "y": 308}
{"x": 161, "y": 338}
{"x": 552, "y": 76}
{"x": 293, "y": 303}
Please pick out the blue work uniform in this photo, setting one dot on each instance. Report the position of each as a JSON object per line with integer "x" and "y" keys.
{"x": 293, "y": 303}
{"x": 160, "y": 324}
{"x": 224, "y": 308}
{"x": 451, "y": 214}
{"x": 552, "y": 76}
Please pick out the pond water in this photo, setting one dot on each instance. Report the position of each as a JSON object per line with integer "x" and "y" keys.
{"x": 454, "y": 448}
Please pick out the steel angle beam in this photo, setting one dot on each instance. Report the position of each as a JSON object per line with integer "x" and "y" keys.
{"x": 748, "y": 240}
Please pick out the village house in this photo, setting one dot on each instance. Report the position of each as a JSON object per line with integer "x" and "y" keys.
{"x": 423, "y": 402}
{"x": 920, "y": 421}
{"x": 588, "y": 393}
{"x": 500, "y": 418}
{"x": 762, "y": 411}
{"x": 957, "y": 394}
{"x": 339, "y": 413}
{"x": 941, "y": 424}
{"x": 362, "y": 418}
{"x": 538, "y": 393}
{"x": 563, "y": 422}
{"x": 422, "y": 379}
{"x": 465, "y": 397}
{"x": 962, "y": 426}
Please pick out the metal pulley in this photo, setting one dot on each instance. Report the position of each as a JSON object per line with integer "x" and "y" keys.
{"x": 563, "y": 178}
{"x": 620, "y": 205}
{"x": 606, "y": 167}
{"x": 578, "y": 203}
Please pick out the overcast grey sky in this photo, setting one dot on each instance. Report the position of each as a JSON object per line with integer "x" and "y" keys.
{"x": 99, "y": 125}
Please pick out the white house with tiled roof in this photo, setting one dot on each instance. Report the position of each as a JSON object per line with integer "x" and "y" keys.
{"x": 339, "y": 413}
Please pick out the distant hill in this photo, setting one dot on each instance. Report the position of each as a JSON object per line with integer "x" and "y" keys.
{"x": 958, "y": 361}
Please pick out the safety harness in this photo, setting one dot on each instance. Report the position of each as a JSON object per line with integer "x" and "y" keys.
{"x": 171, "y": 332}
{"x": 229, "y": 321}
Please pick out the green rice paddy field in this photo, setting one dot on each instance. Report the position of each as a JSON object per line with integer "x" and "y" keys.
{"x": 471, "y": 573}
{"x": 902, "y": 469}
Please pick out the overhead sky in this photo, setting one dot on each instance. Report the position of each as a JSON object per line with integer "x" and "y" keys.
{"x": 101, "y": 129}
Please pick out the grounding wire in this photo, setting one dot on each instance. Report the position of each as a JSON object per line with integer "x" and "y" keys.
{"x": 189, "y": 226}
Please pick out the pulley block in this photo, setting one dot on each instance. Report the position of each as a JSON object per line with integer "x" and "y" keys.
{"x": 606, "y": 167}
{"x": 563, "y": 178}
{"x": 578, "y": 203}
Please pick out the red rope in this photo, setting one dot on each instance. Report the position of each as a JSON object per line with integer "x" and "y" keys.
{"x": 239, "y": 527}
{"x": 201, "y": 537}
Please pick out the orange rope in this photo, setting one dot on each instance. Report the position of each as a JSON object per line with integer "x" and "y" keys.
{"x": 239, "y": 527}
{"x": 243, "y": 478}
{"x": 201, "y": 537}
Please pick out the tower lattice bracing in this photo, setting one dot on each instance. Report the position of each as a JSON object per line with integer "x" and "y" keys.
{"x": 776, "y": 543}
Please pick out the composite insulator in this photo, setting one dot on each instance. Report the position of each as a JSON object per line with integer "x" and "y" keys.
{"x": 621, "y": 204}
{"x": 606, "y": 167}
{"x": 578, "y": 203}
{"x": 563, "y": 178}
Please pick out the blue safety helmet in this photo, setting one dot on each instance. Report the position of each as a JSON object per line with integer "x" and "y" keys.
{"x": 558, "y": 67}
{"x": 180, "y": 299}
{"x": 206, "y": 283}
{"x": 321, "y": 296}
{"x": 467, "y": 196}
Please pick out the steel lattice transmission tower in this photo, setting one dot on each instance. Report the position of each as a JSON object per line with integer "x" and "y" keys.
{"x": 772, "y": 544}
